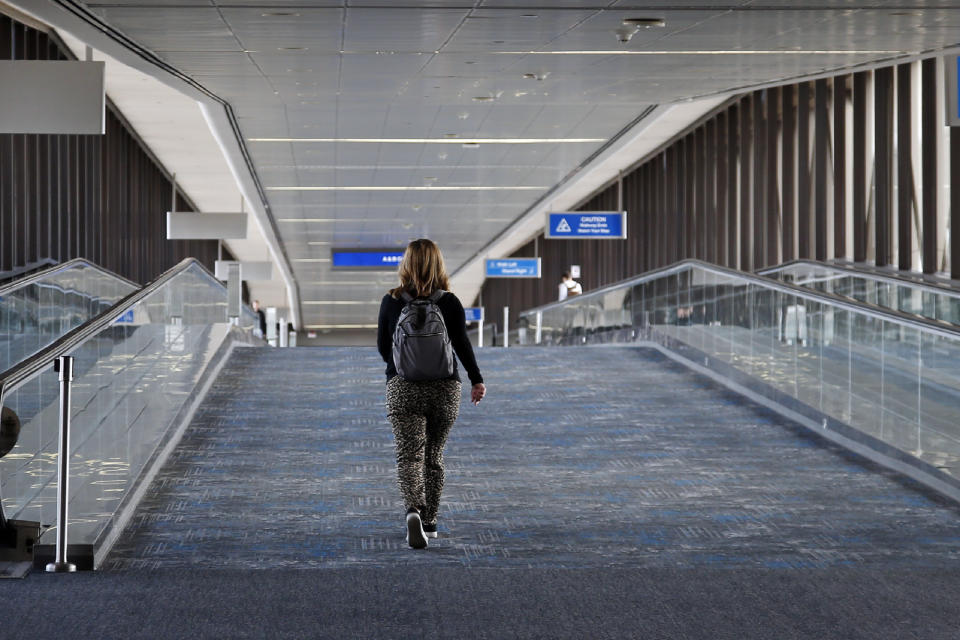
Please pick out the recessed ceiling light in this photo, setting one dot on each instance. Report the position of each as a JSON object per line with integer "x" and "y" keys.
{"x": 469, "y": 62}
{"x": 483, "y": 98}
{"x": 449, "y": 135}
{"x": 470, "y": 145}
{"x": 291, "y": 48}
{"x": 463, "y": 115}
{"x": 278, "y": 14}
{"x": 529, "y": 15}
{"x": 530, "y": 76}
{"x": 645, "y": 22}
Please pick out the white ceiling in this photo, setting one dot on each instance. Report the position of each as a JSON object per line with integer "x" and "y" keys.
{"x": 386, "y": 70}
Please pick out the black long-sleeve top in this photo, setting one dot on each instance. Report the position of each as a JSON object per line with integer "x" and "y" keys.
{"x": 453, "y": 317}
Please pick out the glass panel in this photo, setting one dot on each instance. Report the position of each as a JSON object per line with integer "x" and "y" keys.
{"x": 35, "y": 314}
{"x": 939, "y": 399}
{"x": 919, "y": 298}
{"x": 130, "y": 382}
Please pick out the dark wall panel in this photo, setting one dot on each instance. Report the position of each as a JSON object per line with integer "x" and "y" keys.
{"x": 103, "y": 198}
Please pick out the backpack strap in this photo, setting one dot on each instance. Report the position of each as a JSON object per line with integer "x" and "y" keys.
{"x": 406, "y": 297}
{"x": 436, "y": 295}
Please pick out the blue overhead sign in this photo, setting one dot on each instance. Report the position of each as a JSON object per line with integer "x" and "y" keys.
{"x": 578, "y": 225}
{"x": 387, "y": 259}
{"x": 126, "y": 317}
{"x": 473, "y": 314}
{"x": 513, "y": 268}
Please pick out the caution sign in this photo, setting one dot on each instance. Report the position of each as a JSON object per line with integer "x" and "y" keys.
{"x": 590, "y": 225}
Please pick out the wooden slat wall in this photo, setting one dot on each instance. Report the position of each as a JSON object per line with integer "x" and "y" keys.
{"x": 765, "y": 179}
{"x": 103, "y": 198}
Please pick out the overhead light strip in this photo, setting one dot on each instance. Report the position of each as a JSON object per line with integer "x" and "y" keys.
{"x": 480, "y": 188}
{"x": 435, "y": 140}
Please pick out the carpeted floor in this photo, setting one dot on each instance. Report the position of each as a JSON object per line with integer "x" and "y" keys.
{"x": 596, "y": 493}
{"x": 452, "y": 602}
{"x": 579, "y": 457}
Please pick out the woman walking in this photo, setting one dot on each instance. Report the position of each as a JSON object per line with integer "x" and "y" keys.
{"x": 422, "y": 406}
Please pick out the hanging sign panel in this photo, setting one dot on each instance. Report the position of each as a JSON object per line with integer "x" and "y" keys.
{"x": 206, "y": 226}
{"x": 373, "y": 259}
{"x": 591, "y": 225}
{"x": 473, "y": 314}
{"x": 952, "y": 93}
{"x": 513, "y": 268}
{"x": 52, "y": 96}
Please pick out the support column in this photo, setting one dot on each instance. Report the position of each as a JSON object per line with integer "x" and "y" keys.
{"x": 883, "y": 162}
{"x": 746, "y": 196}
{"x": 840, "y": 167}
{"x": 904, "y": 168}
{"x": 803, "y": 171}
{"x": 929, "y": 134}
{"x": 788, "y": 175}
{"x": 821, "y": 136}
{"x": 859, "y": 182}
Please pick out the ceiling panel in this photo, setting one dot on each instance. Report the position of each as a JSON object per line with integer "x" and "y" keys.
{"x": 455, "y": 69}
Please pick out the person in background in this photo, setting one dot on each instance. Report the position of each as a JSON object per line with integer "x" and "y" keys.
{"x": 569, "y": 286}
{"x": 423, "y": 412}
{"x": 262, "y": 317}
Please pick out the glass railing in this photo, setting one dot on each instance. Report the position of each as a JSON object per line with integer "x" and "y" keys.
{"x": 884, "y": 373}
{"x": 915, "y": 295}
{"x": 137, "y": 370}
{"x": 38, "y": 309}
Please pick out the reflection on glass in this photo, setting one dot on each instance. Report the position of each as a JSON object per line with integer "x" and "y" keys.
{"x": 38, "y": 311}
{"x": 918, "y": 298}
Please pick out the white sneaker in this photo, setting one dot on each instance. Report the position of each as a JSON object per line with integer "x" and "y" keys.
{"x": 416, "y": 537}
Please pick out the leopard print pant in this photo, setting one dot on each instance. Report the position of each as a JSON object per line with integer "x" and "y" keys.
{"x": 422, "y": 414}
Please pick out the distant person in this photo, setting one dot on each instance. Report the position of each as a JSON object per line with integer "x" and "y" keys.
{"x": 423, "y": 408}
{"x": 569, "y": 286}
{"x": 262, "y": 317}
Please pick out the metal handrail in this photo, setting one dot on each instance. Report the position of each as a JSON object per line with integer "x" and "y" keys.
{"x": 881, "y": 313}
{"x": 867, "y": 274}
{"x": 41, "y": 360}
{"x": 33, "y": 278}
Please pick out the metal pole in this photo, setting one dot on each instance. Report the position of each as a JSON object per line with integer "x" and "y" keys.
{"x": 539, "y": 334}
{"x": 63, "y": 365}
{"x": 480, "y": 334}
{"x": 506, "y": 327}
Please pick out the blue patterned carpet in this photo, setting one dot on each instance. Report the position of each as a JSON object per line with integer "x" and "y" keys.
{"x": 579, "y": 458}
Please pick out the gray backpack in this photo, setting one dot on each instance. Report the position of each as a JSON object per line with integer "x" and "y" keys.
{"x": 421, "y": 346}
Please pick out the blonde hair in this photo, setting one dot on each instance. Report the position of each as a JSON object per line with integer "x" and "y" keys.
{"x": 422, "y": 270}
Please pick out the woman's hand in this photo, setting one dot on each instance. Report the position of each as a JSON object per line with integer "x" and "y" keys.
{"x": 477, "y": 392}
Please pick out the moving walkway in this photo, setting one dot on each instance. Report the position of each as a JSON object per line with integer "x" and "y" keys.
{"x": 143, "y": 359}
{"x": 879, "y": 380}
